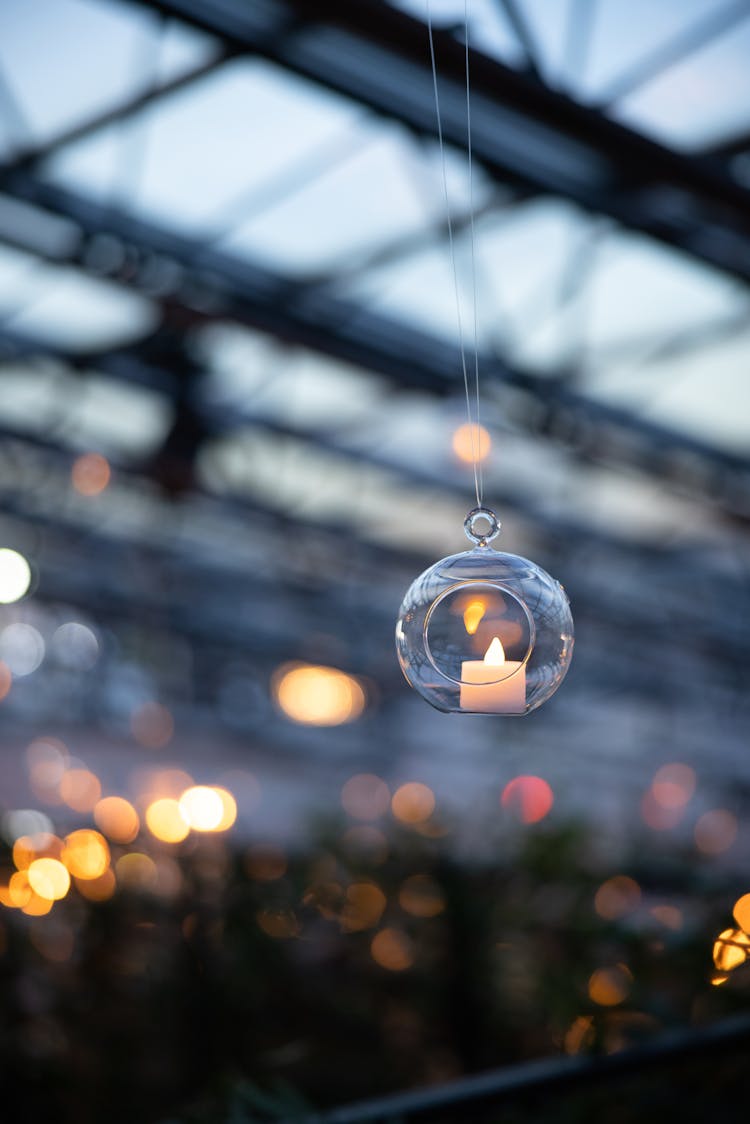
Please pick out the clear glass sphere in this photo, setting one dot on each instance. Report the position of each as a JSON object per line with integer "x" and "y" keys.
{"x": 484, "y": 632}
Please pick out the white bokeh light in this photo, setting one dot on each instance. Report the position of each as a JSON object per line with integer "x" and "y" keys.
{"x": 15, "y": 576}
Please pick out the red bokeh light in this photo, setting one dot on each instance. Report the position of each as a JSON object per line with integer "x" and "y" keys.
{"x": 530, "y": 798}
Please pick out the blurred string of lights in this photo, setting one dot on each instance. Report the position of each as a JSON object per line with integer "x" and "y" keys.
{"x": 481, "y": 632}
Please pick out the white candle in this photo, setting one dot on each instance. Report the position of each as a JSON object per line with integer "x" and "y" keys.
{"x": 508, "y": 696}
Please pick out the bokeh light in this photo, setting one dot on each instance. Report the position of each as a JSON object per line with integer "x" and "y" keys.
{"x": 49, "y": 878}
{"x": 117, "y": 819}
{"x": 741, "y": 912}
{"x": 363, "y": 907}
{"x": 90, "y": 474}
{"x": 421, "y": 896}
{"x": 21, "y": 648}
{"x": 136, "y": 871}
{"x": 669, "y": 916}
{"x": 15, "y": 576}
{"x": 80, "y": 789}
{"x": 201, "y": 808}
{"x": 392, "y": 949}
{"x": 609, "y": 987}
{"x": 413, "y": 803}
{"x": 731, "y": 949}
{"x": 265, "y": 862}
{"x": 86, "y": 854}
{"x": 281, "y": 924}
{"x": 47, "y": 759}
{"x": 365, "y": 797}
{"x": 529, "y": 798}
{"x": 317, "y": 696}
{"x": 40, "y": 845}
{"x": 152, "y": 725}
{"x": 715, "y": 831}
{"x": 617, "y": 897}
{"x": 228, "y": 808}
{"x": 6, "y": 680}
{"x": 470, "y": 442}
{"x": 99, "y": 889}
{"x": 673, "y": 785}
{"x": 75, "y": 645}
{"x": 165, "y": 820}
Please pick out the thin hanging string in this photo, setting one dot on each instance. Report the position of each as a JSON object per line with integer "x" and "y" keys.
{"x": 473, "y": 428}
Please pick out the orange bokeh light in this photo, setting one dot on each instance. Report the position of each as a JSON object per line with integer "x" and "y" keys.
{"x": 741, "y": 912}
{"x": 470, "y": 442}
{"x": 117, "y": 818}
{"x": 421, "y": 896}
{"x": 731, "y": 948}
{"x": 610, "y": 986}
{"x": 90, "y": 474}
{"x": 80, "y": 789}
{"x": 413, "y": 803}
{"x": 40, "y": 845}
{"x": 617, "y": 897}
{"x": 265, "y": 862}
{"x": 530, "y": 798}
{"x": 86, "y": 854}
{"x": 363, "y": 908}
{"x": 6, "y": 680}
{"x": 392, "y": 949}
{"x": 99, "y": 889}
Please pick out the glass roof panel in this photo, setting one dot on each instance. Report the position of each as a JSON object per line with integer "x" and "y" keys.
{"x": 700, "y": 101}
{"x": 90, "y": 55}
{"x": 208, "y": 145}
{"x": 64, "y": 307}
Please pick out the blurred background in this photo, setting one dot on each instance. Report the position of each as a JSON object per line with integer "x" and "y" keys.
{"x": 246, "y": 874}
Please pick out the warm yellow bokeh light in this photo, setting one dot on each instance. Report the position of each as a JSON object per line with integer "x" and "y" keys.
{"x": 413, "y": 803}
{"x": 201, "y": 808}
{"x": 165, "y": 820}
{"x": 228, "y": 808}
{"x": 117, "y": 818}
{"x": 86, "y": 854}
{"x": 15, "y": 576}
{"x": 365, "y": 797}
{"x": 317, "y": 696}
{"x": 90, "y": 474}
{"x": 421, "y": 896}
{"x": 392, "y": 949}
{"x": 731, "y": 948}
{"x": 80, "y": 789}
{"x": 49, "y": 879}
{"x": 610, "y": 986}
{"x": 473, "y": 614}
{"x": 471, "y": 442}
{"x": 616, "y": 897}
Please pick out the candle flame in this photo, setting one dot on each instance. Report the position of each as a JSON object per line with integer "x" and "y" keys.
{"x": 495, "y": 654}
{"x": 473, "y": 614}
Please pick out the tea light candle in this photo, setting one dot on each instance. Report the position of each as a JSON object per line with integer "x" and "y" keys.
{"x": 507, "y": 696}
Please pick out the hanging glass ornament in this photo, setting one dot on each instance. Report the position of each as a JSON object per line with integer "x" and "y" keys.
{"x": 484, "y": 632}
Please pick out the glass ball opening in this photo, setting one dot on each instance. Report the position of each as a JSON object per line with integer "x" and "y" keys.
{"x": 484, "y": 632}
